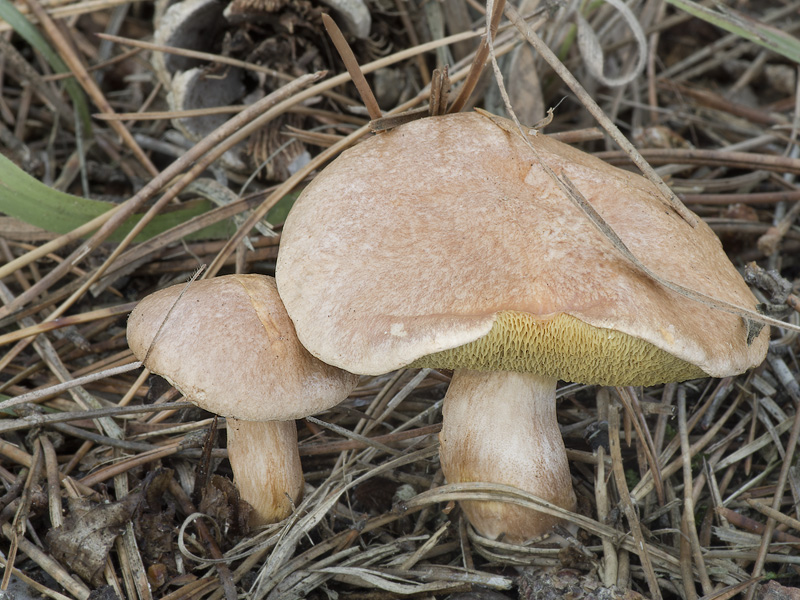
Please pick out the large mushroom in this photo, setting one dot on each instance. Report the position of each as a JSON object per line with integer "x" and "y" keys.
{"x": 444, "y": 243}
{"x": 227, "y": 344}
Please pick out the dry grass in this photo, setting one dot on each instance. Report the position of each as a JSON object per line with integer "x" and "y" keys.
{"x": 107, "y": 478}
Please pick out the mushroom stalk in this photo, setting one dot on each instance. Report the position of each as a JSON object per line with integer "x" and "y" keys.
{"x": 266, "y": 467}
{"x": 501, "y": 427}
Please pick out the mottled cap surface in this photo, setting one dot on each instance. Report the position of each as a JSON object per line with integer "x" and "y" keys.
{"x": 228, "y": 345}
{"x": 448, "y": 230}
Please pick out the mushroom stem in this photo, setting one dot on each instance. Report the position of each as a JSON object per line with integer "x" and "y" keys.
{"x": 266, "y": 467}
{"x": 501, "y": 427}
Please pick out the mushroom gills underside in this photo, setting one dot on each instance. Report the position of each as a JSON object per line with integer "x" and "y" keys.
{"x": 566, "y": 348}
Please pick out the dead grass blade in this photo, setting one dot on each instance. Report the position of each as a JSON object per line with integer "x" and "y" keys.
{"x": 351, "y": 64}
{"x": 599, "y": 115}
{"x": 627, "y": 504}
{"x": 75, "y": 65}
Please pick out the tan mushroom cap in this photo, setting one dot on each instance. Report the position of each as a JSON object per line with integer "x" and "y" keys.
{"x": 229, "y": 346}
{"x": 447, "y": 230}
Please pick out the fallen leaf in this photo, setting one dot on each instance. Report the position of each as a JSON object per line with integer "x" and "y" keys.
{"x": 88, "y": 533}
{"x": 220, "y": 500}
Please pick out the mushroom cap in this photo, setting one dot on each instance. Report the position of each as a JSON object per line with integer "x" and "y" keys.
{"x": 447, "y": 232}
{"x": 228, "y": 345}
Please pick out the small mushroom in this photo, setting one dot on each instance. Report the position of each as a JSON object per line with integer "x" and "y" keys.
{"x": 444, "y": 243}
{"x": 227, "y": 344}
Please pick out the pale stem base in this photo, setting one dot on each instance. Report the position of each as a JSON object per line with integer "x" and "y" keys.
{"x": 501, "y": 427}
{"x": 266, "y": 467}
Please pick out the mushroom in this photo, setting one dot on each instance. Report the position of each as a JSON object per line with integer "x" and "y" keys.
{"x": 228, "y": 346}
{"x": 444, "y": 243}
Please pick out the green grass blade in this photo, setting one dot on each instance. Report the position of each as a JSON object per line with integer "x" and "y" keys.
{"x": 746, "y": 27}
{"x": 30, "y": 34}
{"x": 29, "y": 200}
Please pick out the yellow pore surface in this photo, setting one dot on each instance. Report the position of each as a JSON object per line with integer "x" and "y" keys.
{"x": 565, "y": 348}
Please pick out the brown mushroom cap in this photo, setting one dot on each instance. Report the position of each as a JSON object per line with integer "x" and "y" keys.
{"x": 431, "y": 236}
{"x": 228, "y": 345}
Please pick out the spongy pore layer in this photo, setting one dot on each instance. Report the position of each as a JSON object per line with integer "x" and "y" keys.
{"x": 565, "y": 348}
